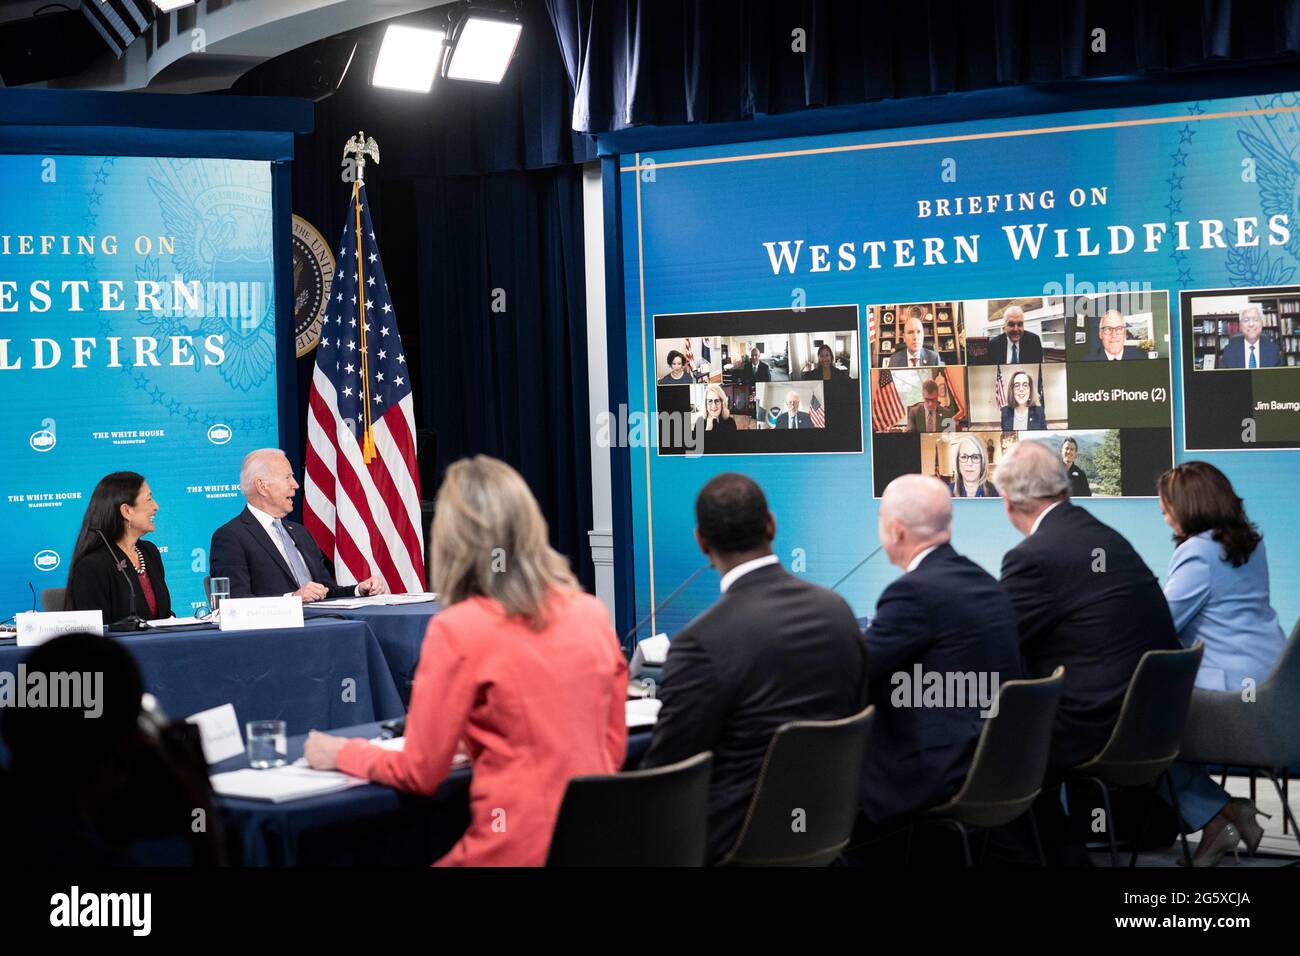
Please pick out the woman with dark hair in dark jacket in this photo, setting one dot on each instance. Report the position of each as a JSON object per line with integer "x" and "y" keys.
{"x": 113, "y": 569}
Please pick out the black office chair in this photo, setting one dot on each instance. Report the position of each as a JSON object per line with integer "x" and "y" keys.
{"x": 655, "y": 817}
{"x": 1147, "y": 737}
{"x": 807, "y": 794}
{"x": 1006, "y": 772}
{"x": 52, "y": 599}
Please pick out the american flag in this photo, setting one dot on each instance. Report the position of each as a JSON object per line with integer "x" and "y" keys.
{"x": 887, "y": 408}
{"x": 999, "y": 390}
{"x": 816, "y": 413}
{"x": 362, "y": 487}
{"x": 1042, "y": 399}
{"x": 690, "y": 356}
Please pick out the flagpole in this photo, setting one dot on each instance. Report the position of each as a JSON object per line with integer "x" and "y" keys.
{"x": 360, "y": 147}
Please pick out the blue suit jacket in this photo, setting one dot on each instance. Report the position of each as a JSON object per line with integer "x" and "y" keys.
{"x": 1036, "y": 420}
{"x": 244, "y": 552}
{"x": 805, "y": 420}
{"x": 1234, "y": 353}
{"x": 947, "y": 616}
{"x": 1227, "y": 608}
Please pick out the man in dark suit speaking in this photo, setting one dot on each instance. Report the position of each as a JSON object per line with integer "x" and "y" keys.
{"x": 774, "y": 648}
{"x": 1083, "y": 598}
{"x": 947, "y": 616}
{"x": 792, "y": 417}
{"x": 1013, "y": 345}
{"x": 1111, "y": 333}
{"x": 264, "y": 555}
{"x": 1250, "y": 349}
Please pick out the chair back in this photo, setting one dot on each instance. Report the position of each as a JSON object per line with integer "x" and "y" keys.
{"x": 1149, "y": 732}
{"x": 807, "y": 795}
{"x": 656, "y": 817}
{"x": 1006, "y": 772}
{"x": 52, "y": 599}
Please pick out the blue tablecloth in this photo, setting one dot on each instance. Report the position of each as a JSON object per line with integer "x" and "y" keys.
{"x": 326, "y": 674}
{"x": 398, "y": 629}
{"x": 370, "y": 824}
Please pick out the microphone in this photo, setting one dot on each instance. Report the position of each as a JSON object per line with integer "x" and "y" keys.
{"x": 31, "y": 588}
{"x": 849, "y": 573}
{"x": 133, "y": 621}
{"x": 628, "y": 637}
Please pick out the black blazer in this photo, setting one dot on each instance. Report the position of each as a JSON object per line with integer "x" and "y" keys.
{"x": 1098, "y": 623}
{"x": 805, "y": 420}
{"x": 95, "y": 583}
{"x": 774, "y": 648}
{"x": 947, "y": 616}
{"x": 245, "y": 553}
{"x": 746, "y": 374}
{"x": 1031, "y": 350}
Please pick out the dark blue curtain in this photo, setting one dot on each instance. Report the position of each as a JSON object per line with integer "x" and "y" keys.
{"x": 510, "y": 383}
{"x": 662, "y": 63}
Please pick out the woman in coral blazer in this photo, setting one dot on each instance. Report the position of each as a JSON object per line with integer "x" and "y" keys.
{"x": 521, "y": 668}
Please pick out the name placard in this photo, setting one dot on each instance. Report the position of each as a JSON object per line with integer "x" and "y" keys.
{"x": 218, "y": 732}
{"x": 246, "y": 614}
{"x": 37, "y": 627}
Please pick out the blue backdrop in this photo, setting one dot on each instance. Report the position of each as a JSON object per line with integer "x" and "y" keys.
{"x": 693, "y": 222}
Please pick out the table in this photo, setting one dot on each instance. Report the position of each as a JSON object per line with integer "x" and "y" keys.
{"x": 366, "y": 825}
{"x": 398, "y": 628}
{"x": 327, "y": 674}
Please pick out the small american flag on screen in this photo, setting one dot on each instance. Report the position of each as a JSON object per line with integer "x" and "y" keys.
{"x": 686, "y": 347}
{"x": 816, "y": 413}
{"x": 999, "y": 390}
{"x": 887, "y": 408}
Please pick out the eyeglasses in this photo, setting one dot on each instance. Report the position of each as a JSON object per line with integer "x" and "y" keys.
{"x": 969, "y": 459}
{"x": 1112, "y": 329}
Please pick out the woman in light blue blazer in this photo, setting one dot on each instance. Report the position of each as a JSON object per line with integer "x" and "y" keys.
{"x": 1217, "y": 591}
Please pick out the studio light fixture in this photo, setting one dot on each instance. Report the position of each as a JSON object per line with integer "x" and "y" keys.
{"x": 408, "y": 58}
{"x": 482, "y": 45}
{"x": 167, "y": 6}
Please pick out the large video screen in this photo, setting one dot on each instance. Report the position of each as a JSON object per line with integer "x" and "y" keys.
{"x": 137, "y": 333}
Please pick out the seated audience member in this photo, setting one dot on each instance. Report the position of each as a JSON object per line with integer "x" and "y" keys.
{"x": 678, "y": 373}
{"x": 121, "y": 513}
{"x": 520, "y": 665}
{"x": 825, "y": 370}
{"x": 1079, "y": 487}
{"x": 925, "y": 416}
{"x": 1218, "y": 594}
{"x": 1022, "y": 413}
{"x": 1083, "y": 599}
{"x": 970, "y": 471}
{"x": 1112, "y": 333}
{"x": 264, "y": 554}
{"x": 774, "y": 648}
{"x": 69, "y": 763}
{"x": 945, "y": 615}
{"x": 1250, "y": 349}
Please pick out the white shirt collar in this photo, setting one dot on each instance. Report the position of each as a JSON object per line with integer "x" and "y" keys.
{"x": 1041, "y": 515}
{"x": 740, "y": 570}
{"x": 265, "y": 520}
{"x": 920, "y": 556}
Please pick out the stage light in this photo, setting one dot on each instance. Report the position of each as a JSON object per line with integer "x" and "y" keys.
{"x": 167, "y": 6}
{"x": 482, "y": 48}
{"x": 408, "y": 59}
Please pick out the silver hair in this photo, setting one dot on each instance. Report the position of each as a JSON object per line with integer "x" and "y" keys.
{"x": 920, "y": 503}
{"x": 1259, "y": 313}
{"x": 1013, "y": 308}
{"x": 256, "y": 465}
{"x": 1031, "y": 472}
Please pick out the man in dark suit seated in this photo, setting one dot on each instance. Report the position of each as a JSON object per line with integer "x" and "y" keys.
{"x": 924, "y": 416}
{"x": 947, "y": 616}
{"x": 264, "y": 555}
{"x": 1111, "y": 331}
{"x": 1250, "y": 349}
{"x": 754, "y": 370}
{"x": 774, "y": 648}
{"x": 1083, "y": 598}
{"x": 914, "y": 354}
{"x": 792, "y": 417}
{"x": 1013, "y": 345}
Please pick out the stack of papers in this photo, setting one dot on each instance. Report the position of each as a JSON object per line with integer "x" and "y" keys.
{"x": 282, "y": 784}
{"x": 644, "y": 712}
{"x": 378, "y": 600}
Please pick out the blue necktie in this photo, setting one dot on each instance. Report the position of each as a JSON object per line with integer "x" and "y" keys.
{"x": 292, "y": 554}
{"x": 1015, "y": 352}
{"x": 1252, "y": 363}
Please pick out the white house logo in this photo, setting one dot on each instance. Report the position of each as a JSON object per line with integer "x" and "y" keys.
{"x": 219, "y": 434}
{"x": 42, "y": 440}
{"x": 46, "y": 560}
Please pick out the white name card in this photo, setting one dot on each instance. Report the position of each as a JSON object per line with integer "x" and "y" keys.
{"x": 37, "y": 627}
{"x": 248, "y": 614}
{"x": 219, "y": 732}
{"x": 652, "y": 651}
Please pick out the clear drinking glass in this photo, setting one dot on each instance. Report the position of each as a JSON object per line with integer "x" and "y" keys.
{"x": 220, "y": 590}
{"x": 268, "y": 745}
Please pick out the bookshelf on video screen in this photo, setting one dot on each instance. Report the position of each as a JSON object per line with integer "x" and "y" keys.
{"x": 1241, "y": 368}
{"x": 954, "y": 384}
